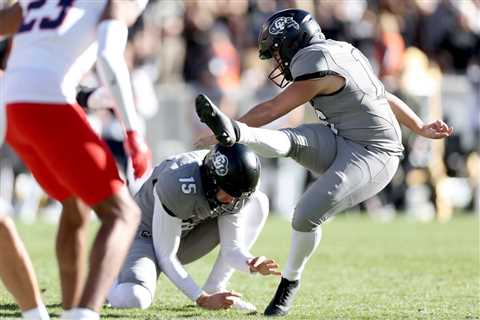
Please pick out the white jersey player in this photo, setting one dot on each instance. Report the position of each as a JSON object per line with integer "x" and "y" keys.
{"x": 55, "y": 42}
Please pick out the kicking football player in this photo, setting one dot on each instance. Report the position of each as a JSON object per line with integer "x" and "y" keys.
{"x": 190, "y": 204}
{"x": 356, "y": 147}
{"x": 16, "y": 269}
{"x": 54, "y": 45}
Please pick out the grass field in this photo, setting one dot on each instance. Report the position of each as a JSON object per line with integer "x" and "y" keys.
{"x": 362, "y": 270}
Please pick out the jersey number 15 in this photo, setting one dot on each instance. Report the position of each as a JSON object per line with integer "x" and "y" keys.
{"x": 188, "y": 185}
{"x": 45, "y": 23}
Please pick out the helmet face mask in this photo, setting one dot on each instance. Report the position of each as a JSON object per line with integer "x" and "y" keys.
{"x": 282, "y": 36}
{"x": 230, "y": 208}
{"x": 280, "y": 75}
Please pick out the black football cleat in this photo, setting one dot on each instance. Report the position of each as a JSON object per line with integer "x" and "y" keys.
{"x": 283, "y": 299}
{"x": 221, "y": 125}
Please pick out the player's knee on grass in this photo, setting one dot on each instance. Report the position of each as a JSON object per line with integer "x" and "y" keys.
{"x": 130, "y": 295}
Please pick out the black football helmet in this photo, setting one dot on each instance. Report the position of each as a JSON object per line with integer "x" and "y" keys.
{"x": 235, "y": 170}
{"x": 282, "y": 36}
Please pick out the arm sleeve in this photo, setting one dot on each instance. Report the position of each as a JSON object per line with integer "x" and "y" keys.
{"x": 112, "y": 39}
{"x": 166, "y": 233}
{"x": 231, "y": 242}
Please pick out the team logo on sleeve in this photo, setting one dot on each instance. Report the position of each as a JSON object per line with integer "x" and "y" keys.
{"x": 279, "y": 25}
{"x": 220, "y": 164}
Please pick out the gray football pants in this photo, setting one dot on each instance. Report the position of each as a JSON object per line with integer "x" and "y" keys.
{"x": 349, "y": 173}
{"x": 141, "y": 266}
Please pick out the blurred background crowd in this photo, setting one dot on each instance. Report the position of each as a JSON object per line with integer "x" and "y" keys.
{"x": 425, "y": 51}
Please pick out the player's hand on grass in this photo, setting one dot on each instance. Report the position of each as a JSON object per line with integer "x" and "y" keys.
{"x": 436, "y": 130}
{"x": 205, "y": 141}
{"x": 139, "y": 152}
{"x": 264, "y": 266}
{"x": 217, "y": 301}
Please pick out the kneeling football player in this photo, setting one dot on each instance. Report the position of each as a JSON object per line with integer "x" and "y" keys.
{"x": 191, "y": 203}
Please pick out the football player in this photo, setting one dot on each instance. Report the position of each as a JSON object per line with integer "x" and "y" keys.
{"x": 55, "y": 43}
{"x": 191, "y": 203}
{"x": 356, "y": 147}
{"x": 16, "y": 269}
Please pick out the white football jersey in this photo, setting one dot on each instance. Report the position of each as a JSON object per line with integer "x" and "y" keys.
{"x": 54, "y": 47}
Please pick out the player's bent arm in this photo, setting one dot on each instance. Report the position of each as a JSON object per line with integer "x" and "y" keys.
{"x": 166, "y": 233}
{"x": 436, "y": 129}
{"x": 10, "y": 19}
{"x": 295, "y": 95}
{"x": 112, "y": 40}
{"x": 404, "y": 114}
{"x": 231, "y": 242}
{"x": 112, "y": 36}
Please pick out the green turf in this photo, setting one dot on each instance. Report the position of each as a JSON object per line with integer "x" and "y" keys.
{"x": 362, "y": 270}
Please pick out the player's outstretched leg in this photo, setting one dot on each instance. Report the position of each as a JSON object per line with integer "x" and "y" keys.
{"x": 221, "y": 125}
{"x": 265, "y": 142}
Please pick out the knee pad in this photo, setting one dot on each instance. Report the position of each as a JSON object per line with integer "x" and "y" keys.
{"x": 130, "y": 295}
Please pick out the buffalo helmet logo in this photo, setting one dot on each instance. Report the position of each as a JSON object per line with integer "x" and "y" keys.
{"x": 220, "y": 164}
{"x": 279, "y": 25}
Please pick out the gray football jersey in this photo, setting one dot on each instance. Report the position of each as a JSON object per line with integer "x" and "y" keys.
{"x": 359, "y": 112}
{"x": 177, "y": 182}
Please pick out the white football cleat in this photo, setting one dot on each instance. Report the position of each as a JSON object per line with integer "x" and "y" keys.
{"x": 242, "y": 305}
